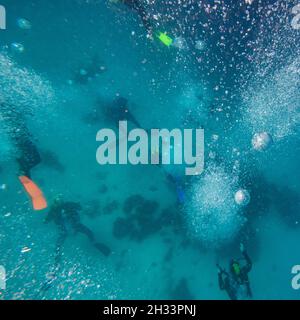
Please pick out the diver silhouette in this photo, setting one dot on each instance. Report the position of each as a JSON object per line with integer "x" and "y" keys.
{"x": 138, "y": 7}
{"x": 118, "y": 111}
{"x": 66, "y": 216}
{"x": 236, "y": 281}
{"x": 28, "y": 155}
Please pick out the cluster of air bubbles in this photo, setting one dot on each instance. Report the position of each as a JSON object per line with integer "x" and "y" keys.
{"x": 200, "y": 45}
{"x": 24, "y": 24}
{"x": 193, "y": 102}
{"x": 272, "y": 107}
{"x": 242, "y": 197}
{"x": 17, "y": 47}
{"x": 83, "y": 72}
{"x": 6, "y": 146}
{"x": 22, "y": 87}
{"x": 212, "y": 214}
{"x": 261, "y": 141}
{"x": 180, "y": 43}
{"x": 3, "y": 187}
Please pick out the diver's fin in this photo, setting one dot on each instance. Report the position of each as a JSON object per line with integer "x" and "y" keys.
{"x": 105, "y": 250}
{"x": 177, "y": 184}
{"x": 38, "y": 200}
{"x": 133, "y": 120}
{"x": 164, "y": 38}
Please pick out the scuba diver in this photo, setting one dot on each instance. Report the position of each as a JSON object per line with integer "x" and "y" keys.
{"x": 28, "y": 155}
{"x": 66, "y": 216}
{"x": 236, "y": 281}
{"x": 89, "y": 71}
{"x": 178, "y": 185}
{"x": 115, "y": 111}
{"x": 118, "y": 111}
{"x": 138, "y": 7}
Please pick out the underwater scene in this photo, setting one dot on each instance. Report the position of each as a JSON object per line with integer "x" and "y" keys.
{"x": 149, "y": 149}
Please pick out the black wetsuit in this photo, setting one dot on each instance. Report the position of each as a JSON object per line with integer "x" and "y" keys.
{"x": 66, "y": 216}
{"x": 118, "y": 111}
{"x": 139, "y": 8}
{"x": 28, "y": 155}
{"x": 231, "y": 283}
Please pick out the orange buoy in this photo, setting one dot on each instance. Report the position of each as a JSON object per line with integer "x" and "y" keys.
{"x": 38, "y": 200}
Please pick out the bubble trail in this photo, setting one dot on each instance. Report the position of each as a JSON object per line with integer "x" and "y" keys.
{"x": 211, "y": 212}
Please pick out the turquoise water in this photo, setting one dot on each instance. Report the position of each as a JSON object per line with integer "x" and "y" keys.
{"x": 242, "y": 78}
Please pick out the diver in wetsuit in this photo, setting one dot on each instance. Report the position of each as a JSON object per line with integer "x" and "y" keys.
{"x": 236, "y": 281}
{"x": 66, "y": 216}
{"x": 138, "y": 7}
{"x": 113, "y": 112}
{"x": 89, "y": 71}
{"x": 28, "y": 155}
{"x": 118, "y": 111}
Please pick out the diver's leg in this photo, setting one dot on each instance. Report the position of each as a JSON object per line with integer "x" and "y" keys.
{"x": 249, "y": 291}
{"x": 55, "y": 268}
{"x": 105, "y": 250}
{"x": 133, "y": 120}
{"x": 79, "y": 227}
{"x": 147, "y": 23}
{"x": 24, "y": 170}
{"x": 58, "y": 250}
{"x": 30, "y": 156}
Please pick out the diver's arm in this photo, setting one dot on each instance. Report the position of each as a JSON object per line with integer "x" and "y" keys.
{"x": 78, "y": 206}
{"x": 220, "y": 277}
{"x": 104, "y": 249}
{"x": 138, "y": 7}
{"x": 221, "y": 280}
{"x": 53, "y": 213}
{"x": 73, "y": 206}
{"x": 248, "y": 265}
{"x": 49, "y": 217}
{"x": 128, "y": 3}
{"x": 134, "y": 121}
{"x": 146, "y": 21}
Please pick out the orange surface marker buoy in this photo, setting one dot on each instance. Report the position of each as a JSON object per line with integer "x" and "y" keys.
{"x": 38, "y": 200}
